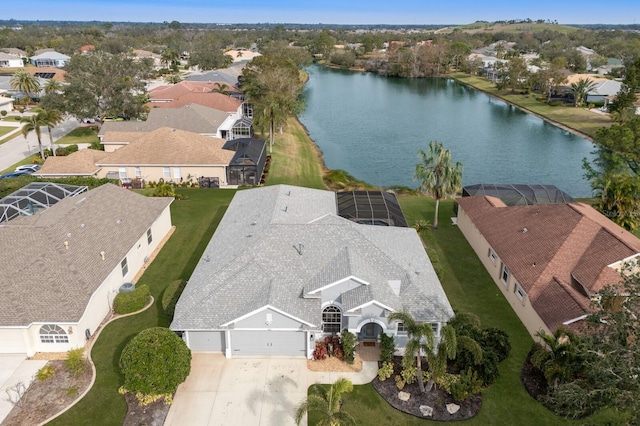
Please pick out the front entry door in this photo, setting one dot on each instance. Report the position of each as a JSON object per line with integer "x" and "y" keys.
{"x": 371, "y": 331}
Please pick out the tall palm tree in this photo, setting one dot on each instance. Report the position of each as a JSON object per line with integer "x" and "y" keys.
{"x": 52, "y": 86}
{"x": 581, "y": 89}
{"x": 328, "y": 402}
{"x": 558, "y": 357}
{"x": 26, "y": 83}
{"x": 438, "y": 177}
{"x": 220, "y": 88}
{"x": 49, "y": 118}
{"x": 33, "y": 123}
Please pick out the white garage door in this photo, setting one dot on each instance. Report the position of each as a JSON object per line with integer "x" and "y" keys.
{"x": 12, "y": 342}
{"x": 206, "y": 340}
{"x": 282, "y": 343}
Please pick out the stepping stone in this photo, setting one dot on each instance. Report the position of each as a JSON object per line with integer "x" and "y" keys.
{"x": 426, "y": 410}
{"x": 453, "y": 408}
{"x": 404, "y": 396}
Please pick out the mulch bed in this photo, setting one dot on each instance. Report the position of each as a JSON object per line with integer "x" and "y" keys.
{"x": 153, "y": 414}
{"x": 436, "y": 398}
{"x": 533, "y": 379}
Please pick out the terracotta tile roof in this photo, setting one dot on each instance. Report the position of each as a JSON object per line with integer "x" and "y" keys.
{"x": 58, "y": 74}
{"x": 566, "y": 245}
{"x": 167, "y": 146}
{"x": 174, "y": 91}
{"x": 79, "y": 163}
{"x": 212, "y": 100}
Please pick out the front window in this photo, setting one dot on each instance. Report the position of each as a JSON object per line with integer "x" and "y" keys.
{"x": 331, "y": 319}
{"x": 401, "y": 328}
{"x": 504, "y": 276}
{"x": 492, "y": 255}
{"x": 123, "y": 172}
{"x": 50, "y": 333}
{"x": 166, "y": 172}
{"x": 177, "y": 173}
{"x": 149, "y": 236}
{"x": 519, "y": 292}
{"x": 124, "y": 266}
{"x": 138, "y": 172}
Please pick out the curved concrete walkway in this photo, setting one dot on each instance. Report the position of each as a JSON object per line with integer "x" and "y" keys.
{"x": 249, "y": 391}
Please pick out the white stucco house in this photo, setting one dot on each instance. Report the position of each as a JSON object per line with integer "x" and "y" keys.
{"x": 8, "y": 60}
{"x": 284, "y": 269}
{"x": 50, "y": 59}
{"x": 63, "y": 265}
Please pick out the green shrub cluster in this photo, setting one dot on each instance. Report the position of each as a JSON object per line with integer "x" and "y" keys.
{"x": 466, "y": 386}
{"x": 387, "y": 347}
{"x": 75, "y": 361}
{"x": 171, "y": 295}
{"x": 155, "y": 362}
{"x": 348, "y": 342}
{"x": 45, "y": 373}
{"x": 125, "y": 303}
{"x": 385, "y": 371}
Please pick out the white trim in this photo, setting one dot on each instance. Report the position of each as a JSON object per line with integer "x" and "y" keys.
{"x": 267, "y": 329}
{"x": 571, "y": 321}
{"x": 366, "y": 321}
{"x": 226, "y": 324}
{"x": 350, "y": 277}
{"x": 322, "y": 217}
{"x": 364, "y": 305}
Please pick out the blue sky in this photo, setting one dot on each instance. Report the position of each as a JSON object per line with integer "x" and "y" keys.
{"x": 326, "y": 11}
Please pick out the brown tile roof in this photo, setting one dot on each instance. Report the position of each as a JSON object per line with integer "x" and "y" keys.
{"x": 58, "y": 74}
{"x": 167, "y": 146}
{"x": 212, "y": 100}
{"x": 174, "y": 91}
{"x": 44, "y": 282}
{"x": 80, "y": 163}
{"x": 553, "y": 245}
{"x": 115, "y": 136}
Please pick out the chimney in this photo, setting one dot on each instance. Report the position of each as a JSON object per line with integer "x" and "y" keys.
{"x": 66, "y": 245}
{"x": 102, "y": 255}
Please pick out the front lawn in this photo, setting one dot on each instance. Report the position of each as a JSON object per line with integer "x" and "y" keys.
{"x": 469, "y": 289}
{"x": 80, "y": 135}
{"x": 195, "y": 219}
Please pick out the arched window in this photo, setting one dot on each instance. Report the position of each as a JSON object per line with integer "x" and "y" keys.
{"x": 331, "y": 319}
{"x": 51, "y": 333}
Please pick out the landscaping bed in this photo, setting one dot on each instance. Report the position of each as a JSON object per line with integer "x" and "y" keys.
{"x": 438, "y": 399}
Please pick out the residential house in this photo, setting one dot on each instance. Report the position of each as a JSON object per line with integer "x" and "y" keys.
{"x": 548, "y": 260}
{"x": 192, "y": 118}
{"x": 15, "y": 51}
{"x": 603, "y": 87}
{"x": 241, "y": 54}
{"x": 8, "y": 60}
{"x": 62, "y": 266}
{"x": 79, "y": 163}
{"x": 6, "y": 104}
{"x": 283, "y": 270}
{"x": 49, "y": 58}
{"x": 156, "y": 60}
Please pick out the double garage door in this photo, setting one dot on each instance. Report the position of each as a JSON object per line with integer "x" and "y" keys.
{"x": 265, "y": 343}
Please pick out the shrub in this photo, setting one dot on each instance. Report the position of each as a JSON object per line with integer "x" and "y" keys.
{"x": 487, "y": 369}
{"x": 75, "y": 361}
{"x": 466, "y": 386}
{"x": 409, "y": 374}
{"x": 155, "y": 362}
{"x": 387, "y": 347}
{"x": 3, "y": 113}
{"x": 348, "y": 342}
{"x": 385, "y": 371}
{"x": 45, "y": 373}
{"x": 70, "y": 149}
{"x": 125, "y": 303}
{"x": 171, "y": 295}
{"x": 320, "y": 352}
{"x": 400, "y": 383}
{"x": 497, "y": 340}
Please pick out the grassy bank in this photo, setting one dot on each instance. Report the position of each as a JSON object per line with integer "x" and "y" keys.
{"x": 87, "y": 134}
{"x": 580, "y": 120}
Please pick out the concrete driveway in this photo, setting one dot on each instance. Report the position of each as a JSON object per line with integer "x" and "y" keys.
{"x": 248, "y": 391}
{"x": 15, "y": 369}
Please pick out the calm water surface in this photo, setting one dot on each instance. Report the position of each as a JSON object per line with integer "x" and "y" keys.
{"x": 372, "y": 127}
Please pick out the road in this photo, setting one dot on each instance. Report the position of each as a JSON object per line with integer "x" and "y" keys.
{"x": 19, "y": 148}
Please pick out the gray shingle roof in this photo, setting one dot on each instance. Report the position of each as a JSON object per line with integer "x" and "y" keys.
{"x": 44, "y": 282}
{"x": 276, "y": 243}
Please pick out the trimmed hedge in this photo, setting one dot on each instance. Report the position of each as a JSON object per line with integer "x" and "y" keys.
{"x": 171, "y": 295}
{"x": 125, "y": 303}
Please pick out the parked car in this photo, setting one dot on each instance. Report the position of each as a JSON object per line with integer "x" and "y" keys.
{"x": 88, "y": 120}
{"x": 29, "y": 168}
{"x": 15, "y": 174}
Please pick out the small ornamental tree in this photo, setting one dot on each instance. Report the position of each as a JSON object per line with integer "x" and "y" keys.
{"x": 155, "y": 362}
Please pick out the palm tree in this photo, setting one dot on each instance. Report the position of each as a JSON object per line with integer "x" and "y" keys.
{"x": 171, "y": 58}
{"x": 220, "y": 88}
{"x": 437, "y": 176}
{"x": 558, "y": 358}
{"x": 328, "y": 402}
{"x": 33, "y": 123}
{"x": 421, "y": 338}
{"x": 580, "y": 90}
{"x": 52, "y": 86}
{"x": 26, "y": 83}
{"x": 49, "y": 118}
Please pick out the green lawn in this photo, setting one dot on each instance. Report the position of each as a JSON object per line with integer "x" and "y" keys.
{"x": 80, "y": 135}
{"x": 469, "y": 289}
{"x": 195, "y": 219}
{"x": 4, "y": 130}
{"x": 578, "y": 119}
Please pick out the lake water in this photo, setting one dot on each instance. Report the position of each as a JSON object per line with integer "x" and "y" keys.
{"x": 373, "y": 126}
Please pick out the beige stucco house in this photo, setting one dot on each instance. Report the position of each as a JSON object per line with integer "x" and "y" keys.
{"x": 63, "y": 266}
{"x": 548, "y": 260}
{"x": 168, "y": 154}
